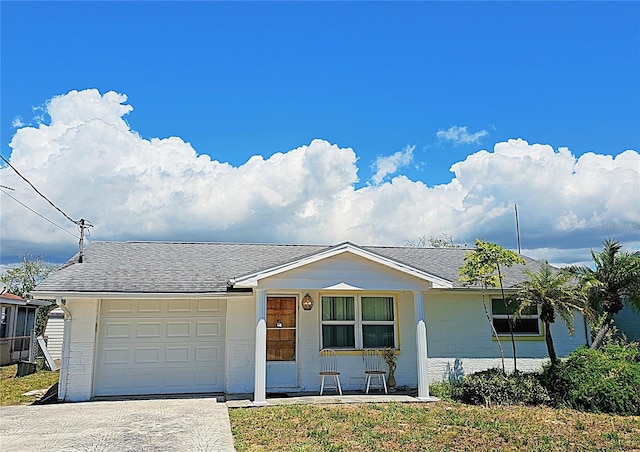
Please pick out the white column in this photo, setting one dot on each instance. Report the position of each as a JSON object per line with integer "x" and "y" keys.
{"x": 260, "y": 384}
{"x": 421, "y": 346}
{"x": 418, "y": 305}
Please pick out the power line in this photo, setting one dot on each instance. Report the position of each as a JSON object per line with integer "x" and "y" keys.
{"x": 38, "y": 192}
{"x": 81, "y": 223}
{"x": 40, "y": 215}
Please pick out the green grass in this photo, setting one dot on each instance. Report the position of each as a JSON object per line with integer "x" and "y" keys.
{"x": 436, "y": 426}
{"x": 11, "y": 388}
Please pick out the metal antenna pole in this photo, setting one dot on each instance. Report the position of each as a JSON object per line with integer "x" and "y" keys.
{"x": 82, "y": 224}
{"x": 81, "y": 244}
{"x": 517, "y": 228}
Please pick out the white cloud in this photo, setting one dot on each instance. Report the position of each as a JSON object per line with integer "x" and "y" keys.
{"x": 459, "y": 135}
{"x": 385, "y": 166}
{"x": 17, "y": 122}
{"x": 90, "y": 163}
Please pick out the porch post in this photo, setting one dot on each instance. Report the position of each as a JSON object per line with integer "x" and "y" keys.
{"x": 421, "y": 346}
{"x": 260, "y": 391}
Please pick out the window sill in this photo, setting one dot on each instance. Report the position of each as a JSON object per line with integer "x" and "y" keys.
{"x": 359, "y": 352}
{"x": 518, "y": 338}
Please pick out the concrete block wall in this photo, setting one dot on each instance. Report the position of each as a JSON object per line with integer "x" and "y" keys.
{"x": 460, "y": 339}
{"x": 309, "y": 345}
{"x": 350, "y": 364}
{"x": 80, "y": 358}
{"x": 458, "y": 335}
{"x": 240, "y": 347}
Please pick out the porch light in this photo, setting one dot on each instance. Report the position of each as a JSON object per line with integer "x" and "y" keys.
{"x": 307, "y": 302}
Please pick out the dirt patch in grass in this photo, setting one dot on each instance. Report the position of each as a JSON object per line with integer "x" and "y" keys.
{"x": 438, "y": 426}
{"x": 12, "y": 389}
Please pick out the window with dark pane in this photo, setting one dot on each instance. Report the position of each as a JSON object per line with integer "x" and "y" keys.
{"x": 338, "y": 308}
{"x": 338, "y": 336}
{"x": 527, "y": 324}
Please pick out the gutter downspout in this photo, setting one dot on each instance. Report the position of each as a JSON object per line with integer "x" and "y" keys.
{"x": 64, "y": 364}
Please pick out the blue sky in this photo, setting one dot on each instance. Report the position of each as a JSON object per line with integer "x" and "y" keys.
{"x": 236, "y": 79}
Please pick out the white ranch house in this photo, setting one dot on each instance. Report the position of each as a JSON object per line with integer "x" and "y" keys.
{"x": 181, "y": 318}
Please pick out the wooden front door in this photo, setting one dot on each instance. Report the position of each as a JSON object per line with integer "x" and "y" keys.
{"x": 281, "y": 342}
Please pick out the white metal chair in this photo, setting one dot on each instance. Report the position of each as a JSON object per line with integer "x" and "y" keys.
{"x": 328, "y": 368}
{"x": 373, "y": 367}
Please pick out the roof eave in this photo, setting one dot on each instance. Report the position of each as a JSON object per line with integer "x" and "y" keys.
{"x": 25, "y": 302}
{"x": 135, "y": 294}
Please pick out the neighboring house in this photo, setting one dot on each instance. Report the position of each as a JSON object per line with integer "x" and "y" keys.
{"x": 53, "y": 333}
{"x": 17, "y": 320}
{"x": 628, "y": 323}
{"x": 169, "y": 318}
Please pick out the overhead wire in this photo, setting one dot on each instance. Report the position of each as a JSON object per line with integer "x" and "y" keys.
{"x": 83, "y": 225}
{"x": 38, "y": 192}
{"x": 39, "y": 214}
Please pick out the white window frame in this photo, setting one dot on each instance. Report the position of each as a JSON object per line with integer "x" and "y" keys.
{"x": 507, "y": 317}
{"x": 358, "y": 322}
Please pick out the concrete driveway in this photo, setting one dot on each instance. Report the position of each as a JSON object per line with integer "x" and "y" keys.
{"x": 193, "y": 424}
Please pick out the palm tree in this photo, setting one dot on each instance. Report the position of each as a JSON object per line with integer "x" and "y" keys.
{"x": 614, "y": 283}
{"x": 480, "y": 267}
{"x": 551, "y": 292}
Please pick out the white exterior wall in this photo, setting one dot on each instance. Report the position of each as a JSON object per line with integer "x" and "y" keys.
{"x": 460, "y": 340}
{"x": 628, "y": 323}
{"x": 458, "y": 335}
{"x": 309, "y": 345}
{"x": 407, "y": 368}
{"x": 240, "y": 367}
{"x": 240, "y": 348}
{"x": 331, "y": 276}
{"x": 78, "y": 383}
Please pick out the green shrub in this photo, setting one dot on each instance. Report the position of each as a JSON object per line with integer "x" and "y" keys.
{"x": 494, "y": 387}
{"x": 447, "y": 390}
{"x": 605, "y": 380}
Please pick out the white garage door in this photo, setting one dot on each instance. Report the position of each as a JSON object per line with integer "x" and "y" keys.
{"x": 160, "y": 347}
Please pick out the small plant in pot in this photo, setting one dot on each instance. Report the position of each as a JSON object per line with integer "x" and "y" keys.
{"x": 389, "y": 356}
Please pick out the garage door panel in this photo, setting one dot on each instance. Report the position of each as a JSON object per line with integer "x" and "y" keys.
{"x": 149, "y": 306}
{"x": 176, "y": 379}
{"x": 157, "y": 351}
{"x": 148, "y": 329}
{"x": 118, "y": 307}
{"x": 178, "y": 354}
{"x": 204, "y": 378}
{"x": 178, "y": 329}
{"x": 213, "y": 307}
{"x": 163, "y": 308}
{"x": 175, "y": 306}
{"x": 147, "y": 355}
{"x": 114, "y": 383}
{"x": 209, "y": 329}
{"x": 208, "y": 354}
{"x": 114, "y": 356}
{"x": 118, "y": 330}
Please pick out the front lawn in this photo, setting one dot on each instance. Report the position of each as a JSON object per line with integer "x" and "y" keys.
{"x": 435, "y": 426}
{"x": 11, "y": 388}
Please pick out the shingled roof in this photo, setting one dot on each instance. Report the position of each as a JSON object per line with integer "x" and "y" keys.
{"x": 179, "y": 267}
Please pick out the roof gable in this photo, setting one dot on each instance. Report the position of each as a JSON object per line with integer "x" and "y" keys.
{"x": 346, "y": 248}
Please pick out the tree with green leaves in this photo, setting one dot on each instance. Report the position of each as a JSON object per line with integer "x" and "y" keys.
{"x": 483, "y": 266}
{"x": 553, "y": 294}
{"x": 614, "y": 282}
{"x": 446, "y": 241}
{"x": 21, "y": 280}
